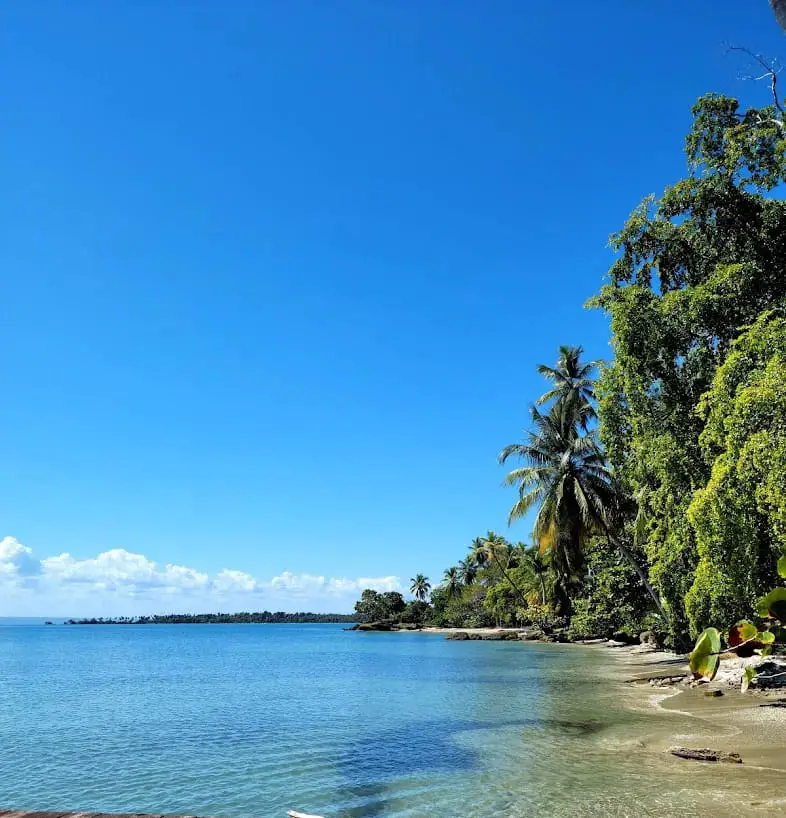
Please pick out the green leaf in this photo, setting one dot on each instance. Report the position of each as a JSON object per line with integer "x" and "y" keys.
{"x": 765, "y": 637}
{"x": 774, "y": 604}
{"x": 765, "y": 651}
{"x": 782, "y": 566}
{"x": 748, "y": 675}
{"x": 704, "y": 657}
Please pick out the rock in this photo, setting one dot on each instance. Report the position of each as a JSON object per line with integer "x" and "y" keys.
{"x": 770, "y": 674}
{"x": 615, "y": 643}
{"x": 711, "y": 694}
{"x": 496, "y": 636}
{"x": 625, "y": 638}
{"x": 533, "y": 635}
{"x": 475, "y": 636}
{"x": 457, "y": 636}
{"x": 705, "y": 755}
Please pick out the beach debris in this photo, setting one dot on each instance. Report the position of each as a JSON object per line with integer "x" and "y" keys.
{"x": 705, "y": 755}
{"x": 711, "y": 694}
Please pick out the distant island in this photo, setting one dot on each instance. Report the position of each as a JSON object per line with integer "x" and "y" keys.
{"x": 258, "y": 618}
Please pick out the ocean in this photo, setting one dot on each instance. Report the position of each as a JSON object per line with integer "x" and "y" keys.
{"x": 248, "y": 721}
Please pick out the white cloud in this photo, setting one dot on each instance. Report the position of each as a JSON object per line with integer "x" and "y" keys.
{"x": 16, "y": 560}
{"x": 121, "y": 570}
{"x": 228, "y": 581}
{"x": 333, "y": 585}
{"x": 121, "y": 582}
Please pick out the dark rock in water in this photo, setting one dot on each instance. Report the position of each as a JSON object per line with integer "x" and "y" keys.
{"x": 706, "y": 755}
{"x": 711, "y": 694}
{"x": 475, "y": 636}
{"x": 374, "y": 626}
{"x": 457, "y": 636}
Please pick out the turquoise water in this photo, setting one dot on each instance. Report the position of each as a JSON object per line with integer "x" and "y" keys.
{"x": 249, "y": 721}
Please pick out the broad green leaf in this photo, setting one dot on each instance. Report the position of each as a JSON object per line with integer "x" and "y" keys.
{"x": 748, "y": 675}
{"x": 704, "y": 658}
{"x": 765, "y": 651}
{"x": 774, "y": 604}
{"x": 782, "y": 566}
{"x": 765, "y": 637}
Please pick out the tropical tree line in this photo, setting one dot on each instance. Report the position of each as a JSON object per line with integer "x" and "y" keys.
{"x": 656, "y": 481}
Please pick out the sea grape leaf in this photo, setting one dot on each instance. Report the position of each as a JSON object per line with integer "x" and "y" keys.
{"x": 765, "y": 637}
{"x": 765, "y": 651}
{"x": 774, "y": 604}
{"x": 704, "y": 657}
{"x": 742, "y": 638}
{"x": 748, "y": 675}
{"x": 782, "y": 566}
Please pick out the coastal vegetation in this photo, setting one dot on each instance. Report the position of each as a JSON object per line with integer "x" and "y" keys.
{"x": 656, "y": 481}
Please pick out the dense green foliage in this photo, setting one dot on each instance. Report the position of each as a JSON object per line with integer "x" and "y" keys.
{"x": 659, "y": 488}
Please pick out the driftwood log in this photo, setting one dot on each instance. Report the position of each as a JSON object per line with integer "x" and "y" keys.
{"x": 705, "y": 755}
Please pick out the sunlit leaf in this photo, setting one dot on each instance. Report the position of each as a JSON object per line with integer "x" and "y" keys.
{"x": 704, "y": 657}
{"x": 774, "y": 604}
{"x": 748, "y": 675}
{"x": 742, "y": 632}
{"x": 765, "y": 651}
{"x": 782, "y": 566}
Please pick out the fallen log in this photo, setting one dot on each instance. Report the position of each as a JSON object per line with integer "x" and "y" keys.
{"x": 705, "y": 755}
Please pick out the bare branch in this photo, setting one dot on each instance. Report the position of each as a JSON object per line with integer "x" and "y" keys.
{"x": 771, "y": 73}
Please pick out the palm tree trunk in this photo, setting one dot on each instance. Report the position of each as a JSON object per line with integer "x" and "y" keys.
{"x": 508, "y": 578}
{"x": 625, "y": 551}
{"x": 542, "y": 590}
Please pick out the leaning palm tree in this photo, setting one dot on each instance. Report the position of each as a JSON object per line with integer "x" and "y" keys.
{"x": 468, "y": 570}
{"x": 491, "y": 549}
{"x": 566, "y": 477}
{"x": 420, "y": 587}
{"x": 572, "y": 384}
{"x": 452, "y": 583}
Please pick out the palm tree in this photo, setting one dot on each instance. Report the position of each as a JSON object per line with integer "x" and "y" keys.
{"x": 468, "y": 570}
{"x": 567, "y": 478}
{"x": 538, "y": 566}
{"x": 420, "y": 587}
{"x": 572, "y": 384}
{"x": 452, "y": 583}
{"x": 489, "y": 549}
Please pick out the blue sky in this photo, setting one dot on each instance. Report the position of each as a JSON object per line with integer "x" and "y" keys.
{"x": 277, "y": 275}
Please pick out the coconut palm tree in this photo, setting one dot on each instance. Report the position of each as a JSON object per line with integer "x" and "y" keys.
{"x": 452, "y": 583}
{"x": 538, "y": 566}
{"x": 491, "y": 549}
{"x": 468, "y": 570}
{"x": 420, "y": 587}
{"x": 572, "y": 384}
{"x": 566, "y": 477}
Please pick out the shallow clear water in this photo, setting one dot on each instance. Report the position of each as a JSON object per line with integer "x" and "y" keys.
{"x": 249, "y": 721}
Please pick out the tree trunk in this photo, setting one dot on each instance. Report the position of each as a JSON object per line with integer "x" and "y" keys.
{"x": 638, "y": 569}
{"x": 507, "y": 577}
{"x": 542, "y": 590}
